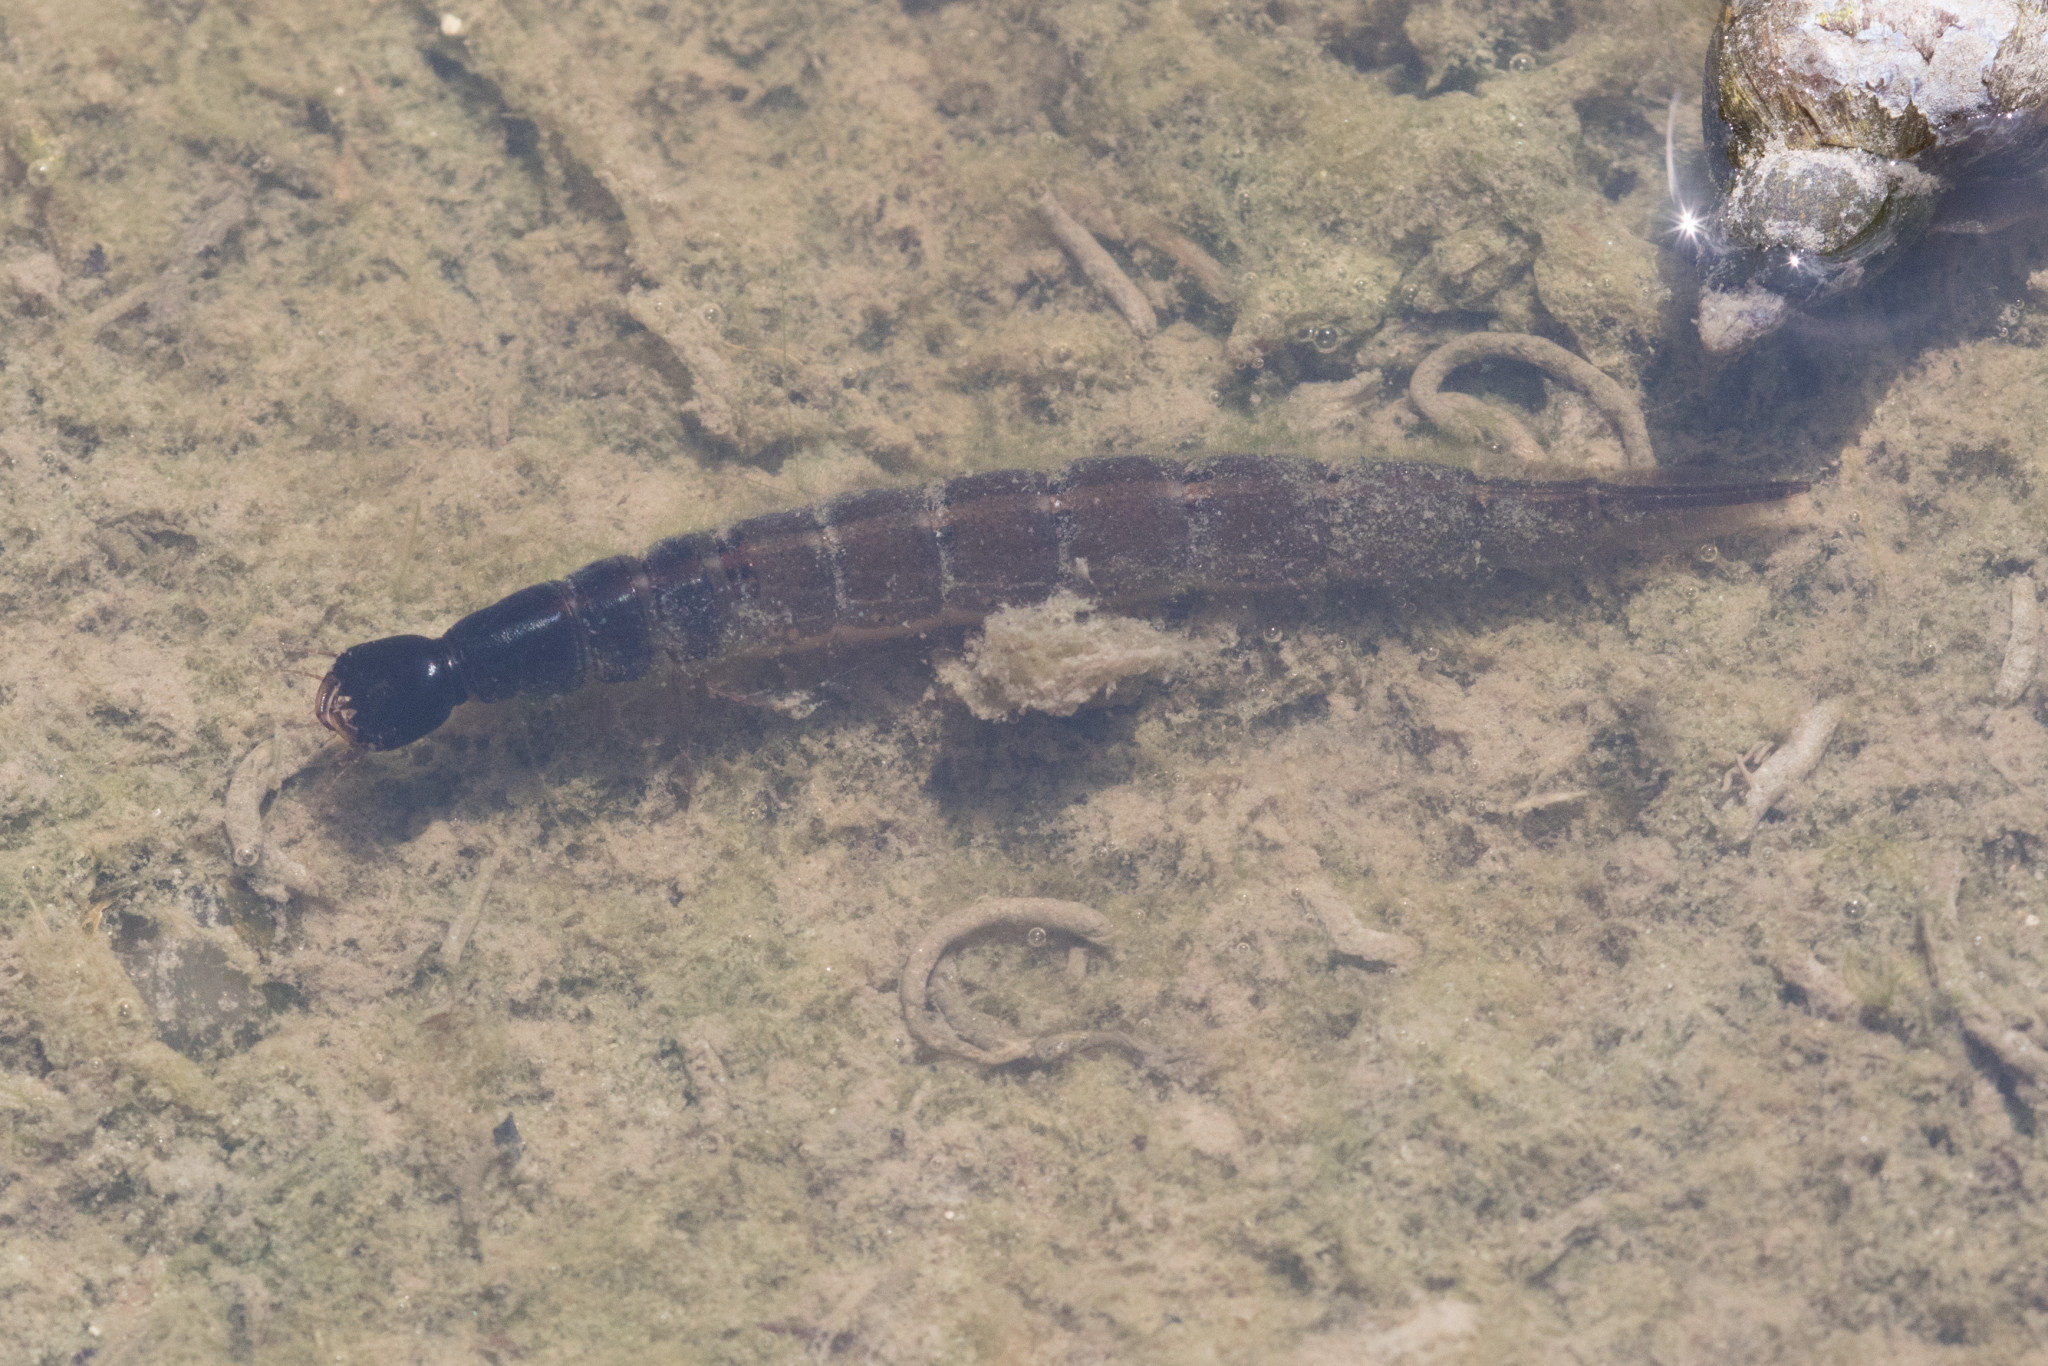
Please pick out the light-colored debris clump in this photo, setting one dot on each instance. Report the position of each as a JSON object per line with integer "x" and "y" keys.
{"x": 710, "y": 1084}
{"x": 1056, "y": 655}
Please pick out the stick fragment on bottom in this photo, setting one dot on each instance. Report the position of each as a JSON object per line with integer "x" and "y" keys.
{"x": 1941, "y": 938}
{"x": 1098, "y": 265}
{"x": 464, "y": 925}
{"x": 2023, "y": 646}
{"x": 1788, "y": 765}
{"x": 1312, "y": 889}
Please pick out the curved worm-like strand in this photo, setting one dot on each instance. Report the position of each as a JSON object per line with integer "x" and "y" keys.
{"x": 1124, "y": 531}
{"x": 959, "y": 1030}
{"x": 1464, "y": 416}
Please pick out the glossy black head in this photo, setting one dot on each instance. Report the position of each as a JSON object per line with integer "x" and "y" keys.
{"x": 389, "y": 692}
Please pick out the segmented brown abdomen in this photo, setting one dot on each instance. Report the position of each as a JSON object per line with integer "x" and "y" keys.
{"x": 1123, "y": 531}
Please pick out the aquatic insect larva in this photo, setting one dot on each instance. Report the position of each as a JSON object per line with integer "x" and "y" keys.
{"x": 1121, "y": 531}
{"x": 1838, "y": 133}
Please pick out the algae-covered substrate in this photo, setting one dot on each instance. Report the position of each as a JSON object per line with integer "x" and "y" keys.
{"x": 1489, "y": 1029}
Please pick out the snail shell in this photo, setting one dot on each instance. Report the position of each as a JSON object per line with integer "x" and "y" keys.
{"x": 1837, "y": 134}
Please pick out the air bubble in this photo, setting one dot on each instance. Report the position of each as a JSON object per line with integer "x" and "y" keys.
{"x": 1035, "y": 936}
{"x": 1522, "y": 61}
{"x": 1325, "y": 339}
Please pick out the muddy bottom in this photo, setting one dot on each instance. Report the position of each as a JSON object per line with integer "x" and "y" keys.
{"x": 1635, "y": 962}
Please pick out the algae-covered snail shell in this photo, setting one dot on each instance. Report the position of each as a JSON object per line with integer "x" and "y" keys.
{"x": 1839, "y": 133}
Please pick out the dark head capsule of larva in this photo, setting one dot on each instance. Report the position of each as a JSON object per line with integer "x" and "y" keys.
{"x": 1839, "y": 133}
{"x": 389, "y": 692}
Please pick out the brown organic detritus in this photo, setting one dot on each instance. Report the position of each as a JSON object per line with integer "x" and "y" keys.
{"x": 1098, "y": 265}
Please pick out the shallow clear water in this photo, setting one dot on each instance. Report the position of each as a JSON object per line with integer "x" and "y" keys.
{"x": 1487, "y": 1029}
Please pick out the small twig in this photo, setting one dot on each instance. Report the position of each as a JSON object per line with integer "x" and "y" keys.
{"x": 1544, "y": 801}
{"x": 963, "y": 1032}
{"x": 1827, "y": 995}
{"x": 1206, "y": 269}
{"x": 1547, "y": 1243}
{"x": 1671, "y": 148}
{"x": 1940, "y": 935}
{"x": 1471, "y": 419}
{"x": 1097, "y": 264}
{"x": 1313, "y": 891}
{"x": 220, "y": 219}
{"x": 2023, "y": 645}
{"x": 262, "y": 771}
{"x": 465, "y": 924}
{"x": 708, "y": 1080}
{"x": 1788, "y": 764}
{"x": 1743, "y": 770}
